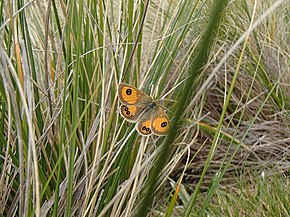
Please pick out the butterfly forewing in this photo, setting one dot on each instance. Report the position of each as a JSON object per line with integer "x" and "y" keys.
{"x": 160, "y": 122}
{"x": 130, "y": 95}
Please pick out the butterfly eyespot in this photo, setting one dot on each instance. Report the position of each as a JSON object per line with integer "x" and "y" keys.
{"x": 164, "y": 124}
{"x": 127, "y": 113}
{"x": 147, "y": 129}
{"x": 129, "y": 91}
{"x": 126, "y": 109}
{"x": 144, "y": 128}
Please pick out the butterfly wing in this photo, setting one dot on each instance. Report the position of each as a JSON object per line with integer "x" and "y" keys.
{"x": 144, "y": 127}
{"x": 131, "y": 112}
{"x": 159, "y": 122}
{"x": 130, "y": 95}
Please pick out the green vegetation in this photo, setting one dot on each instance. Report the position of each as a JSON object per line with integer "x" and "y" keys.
{"x": 221, "y": 68}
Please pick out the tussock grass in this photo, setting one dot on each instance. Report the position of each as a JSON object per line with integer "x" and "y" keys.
{"x": 65, "y": 150}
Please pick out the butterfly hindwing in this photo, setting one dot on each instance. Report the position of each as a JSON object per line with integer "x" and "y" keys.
{"x": 144, "y": 127}
{"x": 131, "y": 112}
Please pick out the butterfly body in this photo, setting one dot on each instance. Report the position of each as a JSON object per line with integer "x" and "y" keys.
{"x": 138, "y": 107}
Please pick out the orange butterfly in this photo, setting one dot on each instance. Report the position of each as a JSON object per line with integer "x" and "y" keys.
{"x": 138, "y": 107}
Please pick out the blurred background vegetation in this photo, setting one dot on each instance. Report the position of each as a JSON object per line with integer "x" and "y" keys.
{"x": 65, "y": 150}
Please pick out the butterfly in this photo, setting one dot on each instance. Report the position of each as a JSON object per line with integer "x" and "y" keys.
{"x": 138, "y": 107}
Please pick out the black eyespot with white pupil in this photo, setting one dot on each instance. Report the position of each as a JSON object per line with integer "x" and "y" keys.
{"x": 129, "y": 91}
{"x": 145, "y": 128}
{"x": 126, "y": 109}
{"x": 164, "y": 124}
